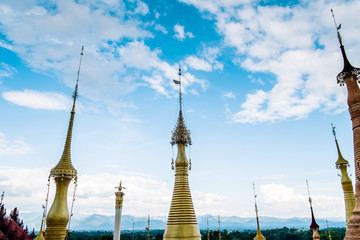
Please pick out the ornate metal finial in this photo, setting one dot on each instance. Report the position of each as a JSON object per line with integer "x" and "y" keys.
{"x": 178, "y": 82}
{"x": 310, "y": 200}
{"x": 348, "y": 69}
{"x": 256, "y": 208}
{"x": 120, "y": 187}
{"x": 75, "y": 95}
{"x": 338, "y": 27}
{"x": 333, "y": 131}
{"x": 180, "y": 134}
{"x": 2, "y": 197}
{"x": 313, "y": 225}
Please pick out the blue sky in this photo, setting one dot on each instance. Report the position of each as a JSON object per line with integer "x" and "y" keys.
{"x": 260, "y": 93}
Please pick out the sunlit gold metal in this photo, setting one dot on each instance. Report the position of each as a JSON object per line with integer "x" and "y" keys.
{"x": 181, "y": 222}
{"x": 58, "y": 216}
{"x": 259, "y": 235}
{"x": 346, "y": 182}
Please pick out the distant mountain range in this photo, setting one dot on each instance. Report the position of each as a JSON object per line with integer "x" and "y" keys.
{"x": 101, "y": 222}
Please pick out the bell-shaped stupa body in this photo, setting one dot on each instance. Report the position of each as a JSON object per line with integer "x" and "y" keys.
{"x": 350, "y": 76}
{"x": 181, "y": 223}
{"x": 58, "y": 215}
{"x": 346, "y": 182}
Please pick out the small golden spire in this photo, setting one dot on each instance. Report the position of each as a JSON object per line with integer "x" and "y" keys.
{"x": 259, "y": 235}
{"x": 314, "y": 226}
{"x": 346, "y": 182}
{"x": 65, "y": 167}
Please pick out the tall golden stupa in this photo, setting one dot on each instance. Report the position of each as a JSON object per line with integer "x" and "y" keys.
{"x": 346, "y": 182}
{"x": 63, "y": 173}
{"x": 350, "y": 77}
{"x": 259, "y": 235}
{"x": 181, "y": 223}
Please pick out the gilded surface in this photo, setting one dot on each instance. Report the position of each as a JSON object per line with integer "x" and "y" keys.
{"x": 346, "y": 183}
{"x": 181, "y": 222}
{"x": 58, "y": 215}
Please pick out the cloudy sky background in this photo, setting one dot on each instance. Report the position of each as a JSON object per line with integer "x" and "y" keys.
{"x": 260, "y": 92}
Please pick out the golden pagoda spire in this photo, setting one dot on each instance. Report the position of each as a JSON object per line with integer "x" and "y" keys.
{"x": 259, "y": 235}
{"x": 314, "y": 226}
{"x": 346, "y": 182}
{"x": 350, "y": 77}
{"x": 58, "y": 216}
{"x": 181, "y": 223}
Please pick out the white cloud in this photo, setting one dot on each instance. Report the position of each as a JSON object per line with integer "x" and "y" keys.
{"x": 280, "y": 200}
{"x": 17, "y": 147}
{"x": 142, "y": 8}
{"x": 301, "y": 58}
{"x": 207, "y": 62}
{"x": 230, "y": 95}
{"x": 95, "y": 192}
{"x": 198, "y": 63}
{"x": 160, "y": 28}
{"x": 180, "y": 33}
{"x": 6, "y": 71}
{"x": 38, "y": 100}
{"x": 116, "y": 60}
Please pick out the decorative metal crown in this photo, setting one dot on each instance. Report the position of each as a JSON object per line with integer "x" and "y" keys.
{"x": 181, "y": 134}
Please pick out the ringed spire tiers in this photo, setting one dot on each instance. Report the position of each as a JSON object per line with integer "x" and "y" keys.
{"x": 350, "y": 77}
{"x": 181, "y": 223}
{"x": 259, "y": 235}
{"x": 58, "y": 217}
{"x": 346, "y": 182}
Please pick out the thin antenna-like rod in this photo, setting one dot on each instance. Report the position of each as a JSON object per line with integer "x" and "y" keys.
{"x": 333, "y": 130}
{"x": 78, "y": 74}
{"x": 47, "y": 199}
{"x": 337, "y": 28}
{"x": 72, "y": 206}
{"x": 310, "y": 201}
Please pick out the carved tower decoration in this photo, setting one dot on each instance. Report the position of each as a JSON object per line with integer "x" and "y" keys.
{"x": 181, "y": 223}
{"x": 63, "y": 173}
{"x": 350, "y": 77}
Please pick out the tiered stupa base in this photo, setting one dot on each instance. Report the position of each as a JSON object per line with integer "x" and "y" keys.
{"x": 55, "y": 233}
{"x": 353, "y": 225}
{"x": 184, "y": 232}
